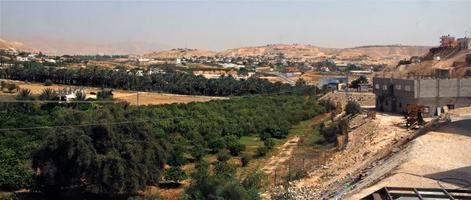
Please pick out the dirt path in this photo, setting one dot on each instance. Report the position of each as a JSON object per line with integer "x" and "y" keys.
{"x": 285, "y": 152}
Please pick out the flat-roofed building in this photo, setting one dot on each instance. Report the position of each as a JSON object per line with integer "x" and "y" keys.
{"x": 394, "y": 94}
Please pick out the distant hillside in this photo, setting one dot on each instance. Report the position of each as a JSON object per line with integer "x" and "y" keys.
{"x": 387, "y": 54}
{"x": 450, "y": 58}
{"x": 179, "y": 53}
{"x": 289, "y": 51}
{"x": 384, "y": 51}
{"x": 4, "y": 44}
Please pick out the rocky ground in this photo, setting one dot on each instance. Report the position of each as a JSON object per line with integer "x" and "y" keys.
{"x": 369, "y": 141}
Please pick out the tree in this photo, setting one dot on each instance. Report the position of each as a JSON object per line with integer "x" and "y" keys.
{"x": 105, "y": 95}
{"x": 11, "y": 86}
{"x": 105, "y": 160}
{"x": 24, "y": 94}
{"x": 352, "y": 108}
{"x": 198, "y": 152}
{"x": 48, "y": 94}
{"x": 269, "y": 143}
{"x": 176, "y": 157}
{"x": 223, "y": 156}
{"x": 245, "y": 159}
{"x": 360, "y": 80}
{"x": 14, "y": 173}
{"x": 48, "y": 82}
{"x": 175, "y": 174}
{"x": 262, "y": 151}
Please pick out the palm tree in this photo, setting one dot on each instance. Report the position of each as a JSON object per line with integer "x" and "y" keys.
{"x": 24, "y": 94}
{"x": 48, "y": 94}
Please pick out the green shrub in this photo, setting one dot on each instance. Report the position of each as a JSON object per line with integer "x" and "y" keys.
{"x": 223, "y": 156}
{"x": 269, "y": 143}
{"x": 175, "y": 174}
{"x": 245, "y": 159}
{"x": 48, "y": 82}
{"x": 353, "y": 108}
{"x": 262, "y": 151}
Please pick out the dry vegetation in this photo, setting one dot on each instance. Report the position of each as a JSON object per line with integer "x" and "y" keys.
{"x": 145, "y": 98}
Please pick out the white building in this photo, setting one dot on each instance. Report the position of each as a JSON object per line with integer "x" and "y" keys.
{"x": 22, "y": 59}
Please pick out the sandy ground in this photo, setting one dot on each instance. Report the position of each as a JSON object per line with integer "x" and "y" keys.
{"x": 440, "y": 154}
{"x": 145, "y": 98}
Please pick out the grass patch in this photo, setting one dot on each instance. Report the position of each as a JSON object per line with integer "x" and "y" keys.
{"x": 252, "y": 143}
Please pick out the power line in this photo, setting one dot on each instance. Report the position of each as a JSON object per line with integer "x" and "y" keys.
{"x": 86, "y": 124}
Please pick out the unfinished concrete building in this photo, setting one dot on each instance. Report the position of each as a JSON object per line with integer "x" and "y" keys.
{"x": 394, "y": 94}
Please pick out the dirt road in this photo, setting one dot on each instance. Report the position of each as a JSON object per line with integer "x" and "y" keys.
{"x": 285, "y": 152}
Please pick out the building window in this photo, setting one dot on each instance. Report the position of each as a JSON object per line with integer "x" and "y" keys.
{"x": 398, "y": 87}
{"x": 377, "y": 86}
{"x": 407, "y": 87}
{"x": 385, "y": 87}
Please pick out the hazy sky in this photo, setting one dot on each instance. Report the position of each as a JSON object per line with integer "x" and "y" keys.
{"x": 218, "y": 25}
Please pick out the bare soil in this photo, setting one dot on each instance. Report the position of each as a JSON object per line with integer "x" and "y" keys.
{"x": 145, "y": 98}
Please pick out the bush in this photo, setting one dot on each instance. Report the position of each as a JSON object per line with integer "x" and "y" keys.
{"x": 236, "y": 149}
{"x": 10, "y": 87}
{"x": 245, "y": 159}
{"x": 262, "y": 151}
{"x": 328, "y": 105}
{"x": 223, "y": 156}
{"x": 353, "y": 108}
{"x": 198, "y": 152}
{"x": 234, "y": 146}
{"x": 48, "y": 82}
{"x": 14, "y": 172}
{"x": 269, "y": 143}
{"x": 105, "y": 95}
{"x": 175, "y": 174}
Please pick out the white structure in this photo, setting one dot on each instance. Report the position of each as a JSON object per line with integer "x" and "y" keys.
{"x": 22, "y": 59}
{"x": 232, "y": 65}
{"x": 50, "y": 60}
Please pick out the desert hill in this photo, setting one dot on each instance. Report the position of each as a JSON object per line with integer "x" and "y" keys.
{"x": 386, "y": 54}
{"x": 180, "y": 53}
{"x": 289, "y": 51}
{"x": 13, "y": 45}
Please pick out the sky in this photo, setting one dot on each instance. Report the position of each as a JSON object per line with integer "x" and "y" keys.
{"x": 217, "y": 24}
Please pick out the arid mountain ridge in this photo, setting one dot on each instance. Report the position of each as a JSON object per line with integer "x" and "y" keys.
{"x": 388, "y": 54}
